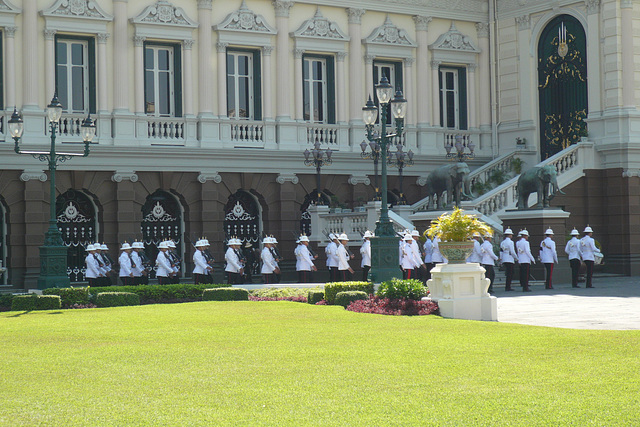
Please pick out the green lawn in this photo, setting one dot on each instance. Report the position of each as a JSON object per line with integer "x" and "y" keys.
{"x": 284, "y": 363}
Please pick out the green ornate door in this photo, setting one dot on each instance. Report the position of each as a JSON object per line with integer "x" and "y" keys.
{"x": 562, "y": 84}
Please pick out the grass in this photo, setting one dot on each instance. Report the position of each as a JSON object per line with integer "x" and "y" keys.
{"x": 292, "y": 364}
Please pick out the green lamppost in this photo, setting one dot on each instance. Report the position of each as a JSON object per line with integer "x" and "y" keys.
{"x": 53, "y": 254}
{"x": 384, "y": 246}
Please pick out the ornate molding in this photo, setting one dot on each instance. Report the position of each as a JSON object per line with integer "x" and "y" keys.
{"x": 368, "y": 59}
{"x": 320, "y": 27}
{"x": 408, "y": 62}
{"x": 282, "y": 7}
{"x": 245, "y": 20}
{"x": 287, "y": 177}
{"x": 472, "y": 68}
{"x": 7, "y": 7}
{"x": 422, "y": 22}
{"x": 124, "y": 176}
{"x": 102, "y": 37}
{"x": 454, "y": 40}
{"x": 630, "y": 173}
{"x": 10, "y": 31}
{"x": 209, "y": 176}
{"x": 524, "y": 22}
{"x": 355, "y": 180}
{"x": 29, "y": 175}
{"x": 340, "y": 56}
{"x": 482, "y": 29}
{"x": 593, "y": 6}
{"x": 77, "y": 9}
{"x": 49, "y": 34}
{"x": 626, "y": 4}
{"x": 297, "y": 53}
{"x": 435, "y": 64}
{"x": 389, "y": 34}
{"x": 187, "y": 44}
{"x": 138, "y": 40}
{"x": 165, "y": 13}
{"x": 267, "y": 50}
{"x": 221, "y": 47}
{"x": 205, "y": 4}
{"x": 355, "y": 15}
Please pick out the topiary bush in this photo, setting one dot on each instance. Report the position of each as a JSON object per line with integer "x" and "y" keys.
{"x": 314, "y": 297}
{"x": 398, "y": 289}
{"x": 225, "y": 294}
{"x": 332, "y": 289}
{"x": 117, "y": 299}
{"x": 5, "y": 302}
{"x": 394, "y": 307}
{"x": 346, "y": 298}
{"x": 70, "y": 296}
{"x": 35, "y": 302}
{"x": 162, "y": 294}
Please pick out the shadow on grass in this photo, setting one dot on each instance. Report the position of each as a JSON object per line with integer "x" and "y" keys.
{"x": 22, "y": 313}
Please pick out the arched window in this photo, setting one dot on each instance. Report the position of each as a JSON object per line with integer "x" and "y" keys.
{"x": 161, "y": 220}
{"x": 243, "y": 217}
{"x": 305, "y": 218}
{"x": 76, "y": 217}
{"x": 4, "y": 251}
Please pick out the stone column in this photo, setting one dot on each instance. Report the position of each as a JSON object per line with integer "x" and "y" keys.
{"x": 103, "y": 104}
{"x": 484, "y": 75}
{"x": 369, "y": 83}
{"x": 267, "y": 101}
{"x": 422, "y": 69}
{"x": 222, "y": 79}
{"x": 435, "y": 93}
{"x": 593, "y": 54}
{"x": 297, "y": 65}
{"x": 120, "y": 57}
{"x": 525, "y": 68}
{"x": 408, "y": 91}
{"x": 356, "y": 98}
{"x": 138, "y": 53}
{"x": 340, "y": 84}
{"x": 30, "y": 54}
{"x": 50, "y": 65}
{"x": 472, "y": 97}
{"x": 10, "y": 66}
{"x": 188, "y": 77}
{"x": 283, "y": 84}
{"x": 628, "y": 67}
{"x": 205, "y": 78}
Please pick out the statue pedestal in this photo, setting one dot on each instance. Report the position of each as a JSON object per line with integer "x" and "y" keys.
{"x": 536, "y": 221}
{"x": 461, "y": 292}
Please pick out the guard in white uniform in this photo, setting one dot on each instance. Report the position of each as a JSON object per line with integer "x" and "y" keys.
{"x": 365, "y": 251}
{"x": 332, "y": 257}
{"x": 419, "y": 267}
{"x": 548, "y": 256}
{"x": 507, "y": 257}
{"x": 406, "y": 257}
{"x": 344, "y": 269}
{"x": 201, "y": 267}
{"x": 269, "y": 264}
{"x": 304, "y": 260}
{"x": 136, "y": 264}
{"x": 476, "y": 255}
{"x": 234, "y": 268}
{"x": 436, "y": 255}
{"x": 525, "y": 259}
{"x": 588, "y": 250}
{"x": 488, "y": 260}
{"x": 428, "y": 255}
{"x": 126, "y": 265}
{"x": 93, "y": 273}
{"x": 163, "y": 264}
{"x": 572, "y": 249}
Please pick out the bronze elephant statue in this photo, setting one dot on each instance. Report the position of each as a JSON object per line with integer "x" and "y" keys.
{"x": 452, "y": 178}
{"x": 539, "y": 179}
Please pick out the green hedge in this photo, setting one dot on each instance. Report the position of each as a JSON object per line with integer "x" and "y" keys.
{"x": 153, "y": 294}
{"x": 35, "y": 302}
{"x": 5, "y": 301}
{"x": 117, "y": 299}
{"x": 69, "y": 296}
{"x": 332, "y": 289}
{"x": 225, "y": 294}
{"x": 315, "y": 296}
{"x": 346, "y": 298}
{"x": 397, "y": 289}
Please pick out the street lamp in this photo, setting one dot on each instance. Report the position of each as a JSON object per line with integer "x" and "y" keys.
{"x": 318, "y": 158}
{"x": 53, "y": 254}
{"x": 400, "y": 160}
{"x": 374, "y": 155}
{"x": 460, "y": 145}
{"x": 384, "y": 246}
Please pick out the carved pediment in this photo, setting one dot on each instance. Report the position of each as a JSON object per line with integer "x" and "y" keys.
{"x": 7, "y": 7}
{"x": 164, "y": 13}
{"x": 246, "y": 20}
{"x": 320, "y": 27}
{"x": 454, "y": 40}
{"x": 390, "y": 34}
{"x": 77, "y": 9}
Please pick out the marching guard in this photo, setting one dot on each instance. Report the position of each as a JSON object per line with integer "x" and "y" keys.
{"x": 548, "y": 256}
{"x": 365, "y": 251}
{"x": 508, "y": 256}
{"x": 126, "y": 265}
{"x": 202, "y": 269}
{"x": 344, "y": 269}
{"x": 233, "y": 257}
{"x": 163, "y": 263}
{"x": 488, "y": 259}
{"x": 269, "y": 263}
{"x": 93, "y": 272}
{"x": 524, "y": 259}
{"x": 588, "y": 250}
{"x": 304, "y": 260}
{"x": 572, "y": 249}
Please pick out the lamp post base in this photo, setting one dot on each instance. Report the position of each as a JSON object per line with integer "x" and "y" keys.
{"x": 53, "y": 267}
{"x": 384, "y": 259}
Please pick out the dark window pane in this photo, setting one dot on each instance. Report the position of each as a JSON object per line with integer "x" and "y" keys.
{"x": 61, "y": 52}
{"x": 231, "y": 97}
{"x": 77, "y": 88}
{"x": 149, "y": 59}
{"x": 243, "y": 65}
{"x": 317, "y": 70}
{"x": 163, "y": 59}
{"x": 77, "y": 54}
{"x": 317, "y": 104}
{"x": 62, "y": 88}
{"x": 230, "y": 63}
{"x": 451, "y": 110}
{"x": 306, "y": 105}
{"x": 450, "y": 81}
{"x": 164, "y": 93}
{"x": 149, "y": 95}
{"x": 243, "y": 98}
{"x": 305, "y": 69}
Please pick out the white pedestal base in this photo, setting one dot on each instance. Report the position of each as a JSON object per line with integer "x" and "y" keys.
{"x": 461, "y": 292}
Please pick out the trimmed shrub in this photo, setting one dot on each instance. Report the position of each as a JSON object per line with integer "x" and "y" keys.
{"x": 314, "y": 297}
{"x": 70, "y": 296}
{"x": 398, "y": 289}
{"x": 394, "y": 307}
{"x": 5, "y": 301}
{"x": 154, "y": 294}
{"x": 35, "y": 302}
{"x": 332, "y": 289}
{"x": 280, "y": 293}
{"x": 346, "y": 298}
{"x": 225, "y": 294}
{"x": 117, "y": 299}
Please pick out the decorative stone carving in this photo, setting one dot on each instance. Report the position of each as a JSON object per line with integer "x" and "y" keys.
{"x": 77, "y": 9}
{"x": 408, "y": 62}
{"x": 355, "y": 15}
{"x": 355, "y": 180}
{"x": 164, "y": 13}
{"x": 246, "y": 20}
{"x": 282, "y": 7}
{"x": 421, "y": 181}
{"x": 321, "y": 28}
{"x": 482, "y": 29}
{"x": 49, "y": 34}
{"x": 102, "y": 37}
{"x": 221, "y": 47}
{"x": 6, "y": 6}
{"x": 435, "y": 64}
{"x": 340, "y": 56}
{"x": 29, "y": 175}
{"x": 626, "y": 4}
{"x": 138, "y": 40}
{"x": 10, "y": 31}
{"x": 593, "y": 6}
{"x": 368, "y": 59}
{"x": 630, "y": 173}
{"x": 209, "y": 176}
{"x": 524, "y": 22}
{"x": 188, "y": 43}
{"x": 205, "y": 4}
{"x": 454, "y": 40}
{"x": 128, "y": 176}
{"x": 390, "y": 34}
{"x": 422, "y": 22}
{"x": 297, "y": 53}
{"x": 287, "y": 177}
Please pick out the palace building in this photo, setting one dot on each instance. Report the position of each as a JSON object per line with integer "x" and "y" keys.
{"x": 204, "y": 108}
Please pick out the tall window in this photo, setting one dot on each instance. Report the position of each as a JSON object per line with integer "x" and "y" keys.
{"x": 162, "y": 84}
{"x": 393, "y": 72}
{"x": 243, "y": 85}
{"x": 453, "y": 98}
{"x": 318, "y": 90}
{"x": 75, "y": 74}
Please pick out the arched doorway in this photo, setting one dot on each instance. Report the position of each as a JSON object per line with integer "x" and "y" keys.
{"x": 76, "y": 217}
{"x": 305, "y": 217}
{"x": 162, "y": 216}
{"x": 243, "y": 217}
{"x": 562, "y": 84}
{"x": 4, "y": 250}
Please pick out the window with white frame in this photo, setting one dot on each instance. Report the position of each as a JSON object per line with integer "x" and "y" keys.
{"x": 453, "y": 98}
{"x": 75, "y": 74}
{"x": 243, "y": 84}
{"x": 318, "y": 91}
{"x": 393, "y": 72}
{"x": 162, "y": 82}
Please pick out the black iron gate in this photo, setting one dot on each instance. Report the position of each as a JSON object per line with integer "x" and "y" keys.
{"x": 76, "y": 218}
{"x": 161, "y": 220}
{"x": 242, "y": 217}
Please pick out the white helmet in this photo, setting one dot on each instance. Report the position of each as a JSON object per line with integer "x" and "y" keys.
{"x": 104, "y": 247}
{"x": 200, "y": 244}
{"x": 303, "y": 239}
{"x": 273, "y": 240}
{"x": 171, "y": 244}
{"x": 476, "y": 234}
{"x": 407, "y": 237}
{"x": 125, "y": 246}
{"x": 549, "y": 231}
{"x": 367, "y": 234}
{"x": 415, "y": 233}
{"x": 508, "y": 231}
{"x": 163, "y": 245}
{"x": 588, "y": 230}
{"x": 524, "y": 233}
{"x": 343, "y": 236}
{"x": 332, "y": 236}
{"x": 574, "y": 232}
{"x": 90, "y": 248}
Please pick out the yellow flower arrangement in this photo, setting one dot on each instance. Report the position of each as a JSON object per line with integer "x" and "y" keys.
{"x": 457, "y": 227}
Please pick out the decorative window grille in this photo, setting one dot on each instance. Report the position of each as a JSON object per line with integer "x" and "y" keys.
{"x": 76, "y": 218}
{"x": 161, "y": 220}
{"x": 242, "y": 218}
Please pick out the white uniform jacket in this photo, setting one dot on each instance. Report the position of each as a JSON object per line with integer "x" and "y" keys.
{"x": 548, "y": 254}
{"x": 436, "y": 256}
{"x": 200, "y": 263}
{"x": 588, "y": 248}
{"x": 476, "y": 255}
{"x": 93, "y": 270}
{"x": 365, "y": 251}
{"x": 488, "y": 257}
{"x": 304, "y": 260}
{"x": 163, "y": 264}
{"x": 139, "y": 268}
{"x": 125, "y": 265}
{"x": 524, "y": 252}
{"x": 572, "y": 249}
{"x": 508, "y": 251}
{"x": 428, "y": 251}
{"x": 269, "y": 263}
{"x": 233, "y": 261}
{"x": 417, "y": 256}
{"x": 332, "y": 254}
{"x": 343, "y": 258}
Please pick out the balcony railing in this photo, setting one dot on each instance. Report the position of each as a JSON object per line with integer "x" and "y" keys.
{"x": 165, "y": 129}
{"x": 246, "y": 131}
{"x": 324, "y": 134}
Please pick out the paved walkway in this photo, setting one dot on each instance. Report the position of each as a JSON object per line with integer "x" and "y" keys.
{"x": 614, "y": 303}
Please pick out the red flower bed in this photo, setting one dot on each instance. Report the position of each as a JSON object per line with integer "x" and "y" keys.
{"x": 394, "y": 307}
{"x": 294, "y": 299}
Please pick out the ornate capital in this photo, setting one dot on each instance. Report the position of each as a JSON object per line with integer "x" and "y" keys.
{"x": 119, "y": 176}
{"x": 297, "y": 53}
{"x": 188, "y": 43}
{"x": 267, "y": 50}
{"x": 524, "y": 22}
{"x": 222, "y": 47}
{"x": 626, "y": 4}
{"x": 355, "y": 15}
{"x": 408, "y": 62}
{"x": 482, "y": 29}
{"x": 209, "y": 176}
{"x": 368, "y": 59}
{"x": 287, "y": 177}
{"x": 471, "y": 68}
{"x": 102, "y": 37}
{"x": 282, "y": 7}
{"x": 340, "y": 56}
{"x": 29, "y": 175}
{"x": 422, "y": 22}
{"x": 355, "y": 180}
{"x": 10, "y": 32}
{"x": 138, "y": 40}
{"x": 205, "y": 4}
{"x": 435, "y": 64}
{"x": 593, "y": 6}
{"x": 49, "y": 34}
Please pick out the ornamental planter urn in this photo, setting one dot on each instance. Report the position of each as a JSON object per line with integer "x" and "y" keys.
{"x": 456, "y": 252}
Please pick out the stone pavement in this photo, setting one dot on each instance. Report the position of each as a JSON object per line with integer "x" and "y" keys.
{"x": 613, "y": 303}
